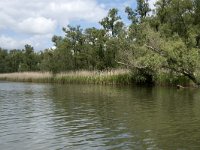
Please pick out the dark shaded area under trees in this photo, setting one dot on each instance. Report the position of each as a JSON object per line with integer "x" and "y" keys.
{"x": 166, "y": 39}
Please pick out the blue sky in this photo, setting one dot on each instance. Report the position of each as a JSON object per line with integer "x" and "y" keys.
{"x": 35, "y": 22}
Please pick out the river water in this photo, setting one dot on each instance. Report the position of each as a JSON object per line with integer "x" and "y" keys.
{"x": 89, "y": 117}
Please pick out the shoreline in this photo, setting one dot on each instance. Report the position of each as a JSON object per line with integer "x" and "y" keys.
{"x": 111, "y": 77}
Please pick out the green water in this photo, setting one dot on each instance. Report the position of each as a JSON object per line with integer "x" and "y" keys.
{"x": 88, "y": 117}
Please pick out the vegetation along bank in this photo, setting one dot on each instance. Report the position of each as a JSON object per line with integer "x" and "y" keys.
{"x": 160, "y": 46}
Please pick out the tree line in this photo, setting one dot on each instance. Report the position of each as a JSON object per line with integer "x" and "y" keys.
{"x": 166, "y": 39}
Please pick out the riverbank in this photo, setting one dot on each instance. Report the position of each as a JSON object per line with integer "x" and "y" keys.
{"x": 112, "y": 77}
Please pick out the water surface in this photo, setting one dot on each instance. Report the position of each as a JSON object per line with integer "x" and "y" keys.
{"x": 54, "y": 117}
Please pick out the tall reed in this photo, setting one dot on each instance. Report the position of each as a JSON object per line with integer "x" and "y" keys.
{"x": 27, "y": 76}
{"x": 112, "y": 77}
{"x": 119, "y": 76}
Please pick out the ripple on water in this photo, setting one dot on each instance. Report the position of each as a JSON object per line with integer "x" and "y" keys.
{"x": 43, "y": 116}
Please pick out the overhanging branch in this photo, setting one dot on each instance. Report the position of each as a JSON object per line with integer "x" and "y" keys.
{"x": 160, "y": 52}
{"x": 132, "y": 65}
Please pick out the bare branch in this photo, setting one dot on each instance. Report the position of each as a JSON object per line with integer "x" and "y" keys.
{"x": 124, "y": 64}
{"x": 132, "y": 65}
{"x": 160, "y": 52}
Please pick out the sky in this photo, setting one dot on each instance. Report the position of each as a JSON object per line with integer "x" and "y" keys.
{"x": 34, "y": 22}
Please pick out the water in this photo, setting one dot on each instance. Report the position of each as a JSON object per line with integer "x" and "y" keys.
{"x": 88, "y": 117}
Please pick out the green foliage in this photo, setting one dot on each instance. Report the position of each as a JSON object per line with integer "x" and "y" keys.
{"x": 132, "y": 15}
{"x": 159, "y": 46}
{"x": 3, "y": 60}
{"x": 142, "y": 8}
{"x": 30, "y": 61}
{"x": 112, "y": 23}
{"x": 19, "y": 60}
{"x": 15, "y": 57}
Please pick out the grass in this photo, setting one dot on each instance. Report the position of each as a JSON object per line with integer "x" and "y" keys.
{"x": 27, "y": 76}
{"x": 113, "y": 77}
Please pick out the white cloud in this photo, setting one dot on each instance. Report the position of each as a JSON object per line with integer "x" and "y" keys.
{"x": 39, "y": 25}
{"x": 6, "y": 20}
{"x": 43, "y": 17}
{"x": 38, "y": 41}
{"x": 77, "y": 9}
{"x": 8, "y": 42}
{"x": 61, "y": 11}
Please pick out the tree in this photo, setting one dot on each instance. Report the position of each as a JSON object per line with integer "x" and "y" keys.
{"x": 76, "y": 40}
{"x": 175, "y": 17}
{"x": 112, "y": 23}
{"x": 196, "y": 11}
{"x": 96, "y": 41}
{"x": 3, "y": 60}
{"x": 176, "y": 56}
{"x": 132, "y": 15}
{"x": 142, "y": 8}
{"x": 15, "y": 59}
{"x": 29, "y": 60}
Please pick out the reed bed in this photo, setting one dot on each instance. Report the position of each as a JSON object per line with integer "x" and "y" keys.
{"x": 27, "y": 76}
{"x": 111, "y": 77}
{"x": 120, "y": 76}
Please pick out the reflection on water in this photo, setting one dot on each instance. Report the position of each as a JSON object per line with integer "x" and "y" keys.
{"x": 45, "y": 116}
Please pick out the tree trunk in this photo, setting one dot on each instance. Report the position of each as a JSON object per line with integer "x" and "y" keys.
{"x": 192, "y": 78}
